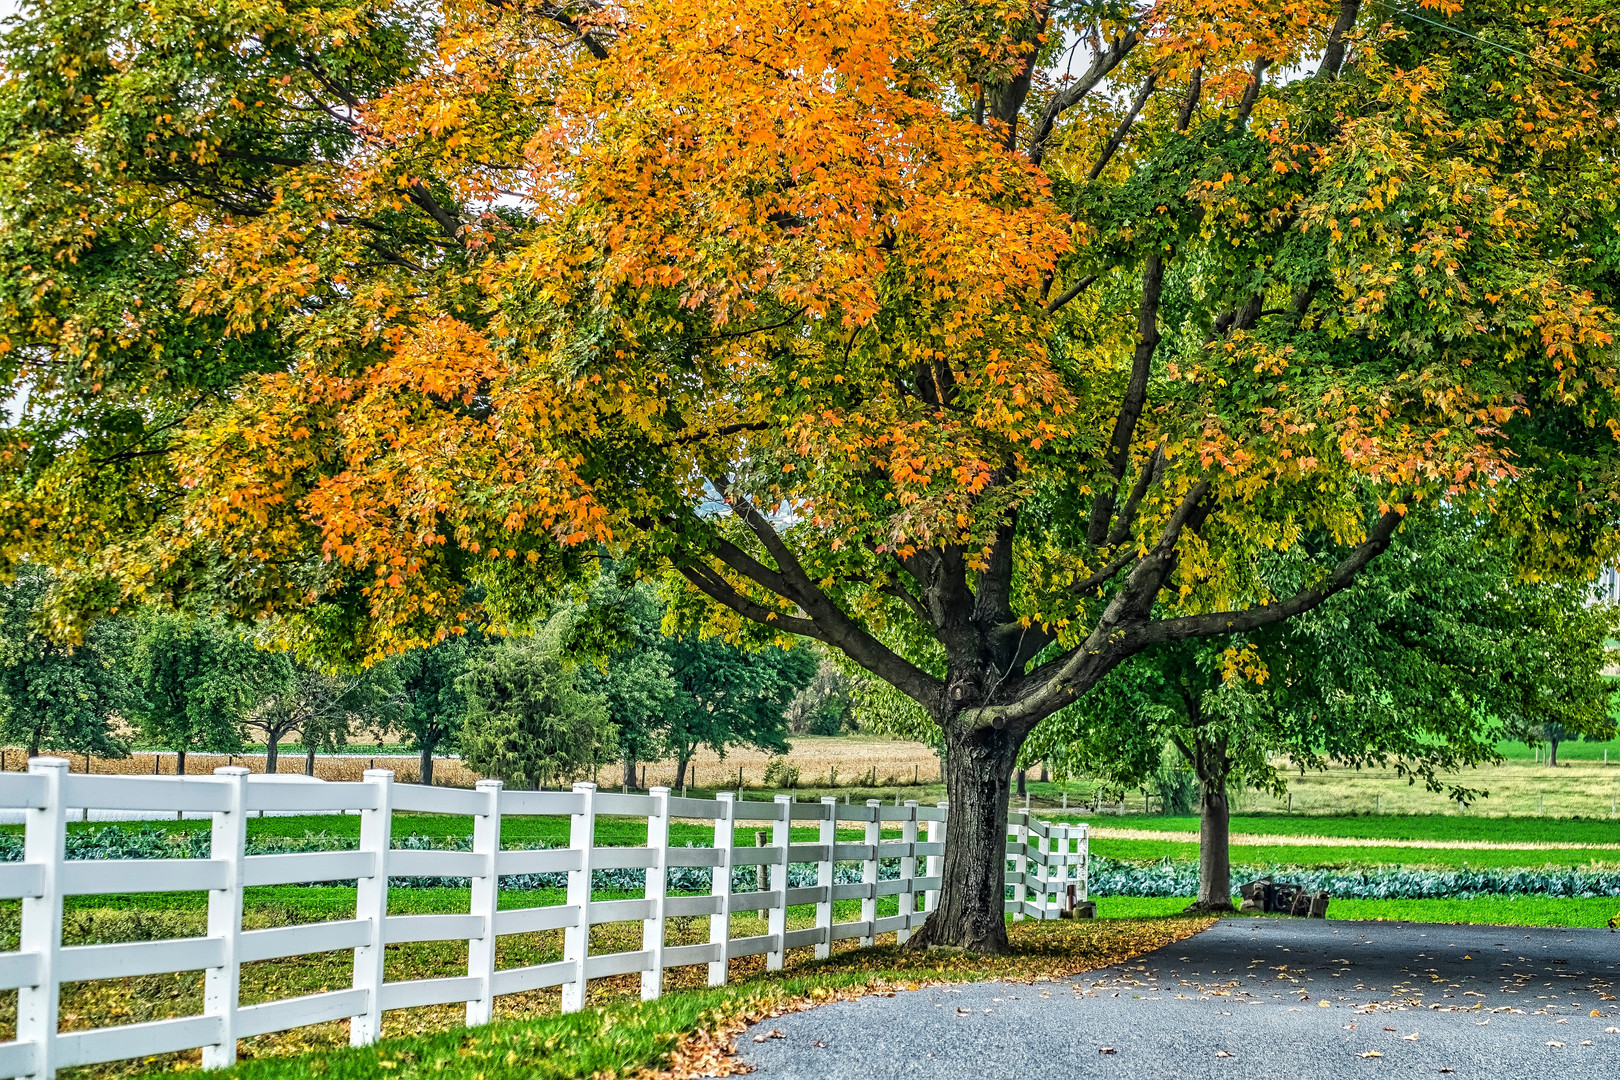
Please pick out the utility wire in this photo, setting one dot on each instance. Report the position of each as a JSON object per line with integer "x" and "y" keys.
{"x": 1493, "y": 44}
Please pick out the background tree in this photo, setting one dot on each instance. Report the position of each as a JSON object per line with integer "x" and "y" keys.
{"x": 1433, "y": 656}
{"x": 825, "y": 706}
{"x": 668, "y": 696}
{"x": 729, "y": 696}
{"x": 433, "y": 707}
{"x": 1012, "y": 345}
{"x": 326, "y": 706}
{"x": 528, "y": 720}
{"x": 199, "y": 682}
{"x": 57, "y": 696}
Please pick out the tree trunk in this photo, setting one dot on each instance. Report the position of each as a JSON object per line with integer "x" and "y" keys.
{"x": 1214, "y": 852}
{"x": 309, "y": 760}
{"x": 272, "y": 753}
{"x": 680, "y": 770}
{"x": 426, "y": 771}
{"x": 972, "y": 898}
{"x": 179, "y": 763}
{"x": 1045, "y": 778}
{"x": 629, "y": 772}
{"x": 1023, "y": 775}
{"x": 1552, "y": 758}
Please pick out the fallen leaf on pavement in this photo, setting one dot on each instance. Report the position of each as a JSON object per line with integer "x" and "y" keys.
{"x": 1105, "y": 1050}
{"x": 774, "y": 1033}
{"x": 1369, "y": 1053}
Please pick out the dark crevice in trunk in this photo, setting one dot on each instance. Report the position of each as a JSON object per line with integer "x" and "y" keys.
{"x": 972, "y": 902}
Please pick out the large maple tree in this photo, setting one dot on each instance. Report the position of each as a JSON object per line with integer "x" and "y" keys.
{"x": 987, "y": 341}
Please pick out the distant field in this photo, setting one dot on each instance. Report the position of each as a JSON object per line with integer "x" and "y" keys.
{"x": 1350, "y": 855}
{"x": 1448, "y": 827}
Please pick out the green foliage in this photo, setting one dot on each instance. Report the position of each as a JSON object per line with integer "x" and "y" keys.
{"x": 56, "y": 695}
{"x": 529, "y": 720}
{"x": 199, "y": 682}
{"x": 826, "y": 705}
{"x": 434, "y": 708}
{"x": 1435, "y": 654}
{"x": 668, "y": 695}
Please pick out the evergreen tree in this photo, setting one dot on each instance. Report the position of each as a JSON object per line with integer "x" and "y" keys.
{"x": 529, "y": 722}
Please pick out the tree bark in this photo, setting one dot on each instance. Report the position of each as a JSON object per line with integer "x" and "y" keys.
{"x": 1214, "y": 852}
{"x": 426, "y": 771}
{"x": 629, "y": 772}
{"x": 272, "y": 753}
{"x": 1023, "y": 777}
{"x": 179, "y": 763}
{"x": 309, "y": 760}
{"x": 1552, "y": 758}
{"x": 681, "y": 764}
{"x": 972, "y": 897}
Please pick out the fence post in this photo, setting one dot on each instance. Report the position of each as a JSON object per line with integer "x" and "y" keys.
{"x": 222, "y": 985}
{"x": 907, "y": 896}
{"x": 934, "y": 866}
{"x": 776, "y": 921}
{"x": 44, "y": 844}
{"x": 371, "y": 902}
{"x": 1043, "y": 871}
{"x": 652, "y": 929}
{"x": 1084, "y": 850}
{"x": 725, "y": 838}
{"x": 1058, "y": 874}
{"x": 577, "y": 938}
{"x": 824, "y": 875}
{"x": 1020, "y": 858}
{"x": 869, "y": 872}
{"x": 485, "y": 902}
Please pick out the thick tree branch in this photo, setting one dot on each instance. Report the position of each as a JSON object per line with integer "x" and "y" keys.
{"x": 1333, "y": 54}
{"x": 1073, "y": 291}
{"x": 1071, "y": 95}
{"x": 1117, "y": 139}
{"x": 1215, "y": 623}
{"x": 1251, "y": 93}
{"x": 1151, "y": 470}
{"x": 721, "y": 592}
{"x": 1130, "y": 409}
{"x": 1106, "y": 574}
{"x": 419, "y": 194}
{"x": 1062, "y": 680}
{"x": 833, "y": 625}
{"x": 1195, "y": 87}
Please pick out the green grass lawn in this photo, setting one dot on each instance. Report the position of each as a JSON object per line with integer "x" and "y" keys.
{"x": 1352, "y": 855}
{"x": 1488, "y": 910}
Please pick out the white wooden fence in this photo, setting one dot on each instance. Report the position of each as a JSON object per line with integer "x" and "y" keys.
{"x": 1045, "y": 861}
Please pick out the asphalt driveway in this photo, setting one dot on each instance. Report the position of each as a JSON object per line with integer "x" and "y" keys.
{"x": 1249, "y": 998}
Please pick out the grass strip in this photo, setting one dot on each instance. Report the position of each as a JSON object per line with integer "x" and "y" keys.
{"x": 1483, "y": 910}
{"x": 689, "y": 1031}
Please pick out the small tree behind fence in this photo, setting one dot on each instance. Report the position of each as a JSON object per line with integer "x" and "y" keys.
{"x": 1044, "y": 860}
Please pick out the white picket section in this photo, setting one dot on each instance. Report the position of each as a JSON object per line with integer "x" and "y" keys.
{"x": 1048, "y": 859}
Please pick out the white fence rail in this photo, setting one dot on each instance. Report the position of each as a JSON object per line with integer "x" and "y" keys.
{"x": 1046, "y": 860}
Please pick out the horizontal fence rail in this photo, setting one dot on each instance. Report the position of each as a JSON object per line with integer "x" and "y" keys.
{"x": 1047, "y": 867}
